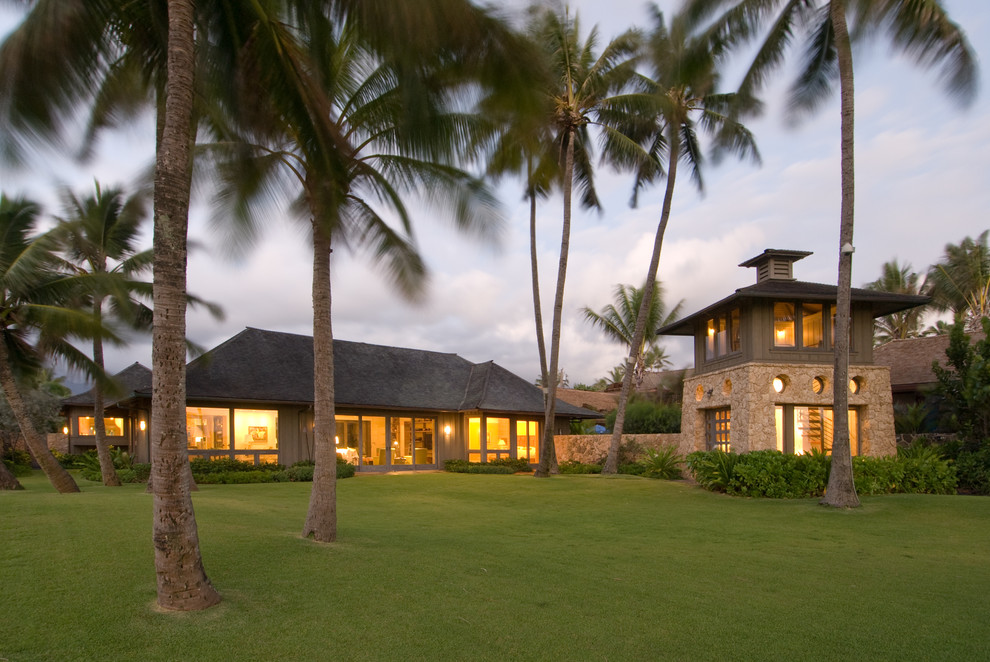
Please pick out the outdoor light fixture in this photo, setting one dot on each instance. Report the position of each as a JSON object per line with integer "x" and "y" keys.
{"x": 778, "y": 384}
{"x": 336, "y": 440}
{"x": 65, "y": 430}
{"x": 446, "y": 430}
{"x": 143, "y": 426}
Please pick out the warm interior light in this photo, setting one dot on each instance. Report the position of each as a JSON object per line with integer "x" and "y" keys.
{"x": 781, "y": 334}
{"x": 778, "y": 384}
{"x": 853, "y": 386}
{"x": 143, "y": 426}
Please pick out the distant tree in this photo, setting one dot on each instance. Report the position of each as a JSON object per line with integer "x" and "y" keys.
{"x": 617, "y": 321}
{"x": 939, "y": 328}
{"x": 960, "y": 282}
{"x": 582, "y": 83}
{"x": 907, "y": 323}
{"x": 964, "y": 382}
{"x": 37, "y": 318}
{"x": 675, "y": 100}
{"x": 562, "y": 381}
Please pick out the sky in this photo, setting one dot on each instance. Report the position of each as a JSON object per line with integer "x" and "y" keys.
{"x": 922, "y": 181}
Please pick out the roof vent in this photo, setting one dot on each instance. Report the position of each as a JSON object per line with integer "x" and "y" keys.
{"x": 775, "y": 264}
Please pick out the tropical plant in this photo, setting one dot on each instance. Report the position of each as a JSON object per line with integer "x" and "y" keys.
{"x": 964, "y": 383}
{"x": 36, "y": 322}
{"x": 922, "y": 30}
{"x": 98, "y": 235}
{"x": 664, "y": 462}
{"x": 898, "y": 279}
{"x": 618, "y": 322}
{"x": 960, "y": 282}
{"x": 672, "y": 103}
{"x": 582, "y": 83}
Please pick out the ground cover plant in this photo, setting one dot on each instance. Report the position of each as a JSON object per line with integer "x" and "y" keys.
{"x": 445, "y": 566}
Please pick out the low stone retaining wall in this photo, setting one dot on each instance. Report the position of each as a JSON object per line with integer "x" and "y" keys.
{"x": 592, "y": 448}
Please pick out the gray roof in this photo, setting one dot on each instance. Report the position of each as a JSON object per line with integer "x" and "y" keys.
{"x": 132, "y": 379}
{"x": 270, "y": 366}
{"x": 880, "y": 303}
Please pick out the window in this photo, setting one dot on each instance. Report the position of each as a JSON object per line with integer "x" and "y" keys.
{"x": 528, "y": 441}
{"x": 723, "y": 335}
{"x": 802, "y": 325}
{"x": 717, "y": 424}
{"x": 87, "y": 426}
{"x": 255, "y": 429}
{"x": 207, "y": 428}
{"x": 804, "y": 429}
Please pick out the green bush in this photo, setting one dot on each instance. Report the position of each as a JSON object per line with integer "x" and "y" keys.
{"x": 67, "y": 460}
{"x": 455, "y": 466}
{"x": 89, "y": 466}
{"x": 575, "y": 467}
{"x": 973, "y": 470}
{"x": 501, "y": 466}
{"x": 489, "y": 468}
{"x": 517, "y": 465}
{"x": 714, "y": 470}
{"x": 344, "y": 468}
{"x": 776, "y": 475}
{"x": 235, "y": 477}
{"x": 202, "y": 466}
{"x": 647, "y": 417}
{"x": 664, "y": 462}
{"x": 18, "y": 462}
{"x": 632, "y": 468}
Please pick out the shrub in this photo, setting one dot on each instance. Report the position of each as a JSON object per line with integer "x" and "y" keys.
{"x": 647, "y": 417}
{"x": 500, "y": 466}
{"x": 455, "y": 466}
{"x": 517, "y": 465}
{"x": 19, "y": 462}
{"x": 344, "y": 469}
{"x": 67, "y": 460}
{"x": 89, "y": 465}
{"x": 973, "y": 470}
{"x": 664, "y": 462}
{"x": 714, "y": 470}
{"x": 488, "y": 468}
{"x": 632, "y": 468}
{"x": 235, "y": 477}
{"x": 202, "y": 466}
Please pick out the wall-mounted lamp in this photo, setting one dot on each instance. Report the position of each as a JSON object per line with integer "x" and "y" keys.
{"x": 143, "y": 426}
{"x": 446, "y": 430}
{"x": 65, "y": 430}
{"x": 778, "y": 384}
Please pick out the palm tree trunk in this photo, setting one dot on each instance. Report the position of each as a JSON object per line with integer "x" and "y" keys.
{"x": 547, "y": 450}
{"x": 59, "y": 477}
{"x": 8, "y": 481}
{"x": 841, "y": 491}
{"x": 541, "y": 344}
{"x": 639, "y": 333}
{"x": 321, "y": 518}
{"x": 107, "y": 470}
{"x": 182, "y": 581}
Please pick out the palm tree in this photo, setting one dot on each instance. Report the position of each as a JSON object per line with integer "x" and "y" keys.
{"x": 36, "y": 320}
{"x": 664, "y": 117}
{"x": 583, "y": 83}
{"x": 960, "y": 281}
{"x": 905, "y": 324}
{"x": 348, "y": 155}
{"x": 98, "y": 236}
{"x": 922, "y": 30}
{"x": 618, "y": 322}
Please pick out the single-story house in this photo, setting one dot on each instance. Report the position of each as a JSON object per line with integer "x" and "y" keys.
{"x": 251, "y": 398}
{"x": 764, "y": 363}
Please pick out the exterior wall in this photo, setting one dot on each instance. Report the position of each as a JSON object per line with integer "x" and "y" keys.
{"x": 134, "y": 439}
{"x": 592, "y": 448}
{"x": 748, "y": 391}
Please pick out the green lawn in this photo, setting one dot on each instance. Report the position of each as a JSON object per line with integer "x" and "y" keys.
{"x": 475, "y": 567}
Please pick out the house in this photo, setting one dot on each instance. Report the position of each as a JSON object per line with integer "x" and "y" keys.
{"x": 125, "y": 422}
{"x": 764, "y": 363}
{"x": 251, "y": 398}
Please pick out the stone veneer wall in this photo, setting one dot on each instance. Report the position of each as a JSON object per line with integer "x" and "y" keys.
{"x": 748, "y": 391}
{"x": 592, "y": 448}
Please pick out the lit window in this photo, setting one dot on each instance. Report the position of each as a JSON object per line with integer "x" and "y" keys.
{"x": 783, "y": 324}
{"x": 256, "y": 429}
{"x": 818, "y": 384}
{"x": 812, "y": 325}
{"x": 723, "y": 335}
{"x": 114, "y": 427}
{"x": 207, "y": 428}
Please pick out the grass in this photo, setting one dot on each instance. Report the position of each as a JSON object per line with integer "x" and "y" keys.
{"x": 475, "y": 567}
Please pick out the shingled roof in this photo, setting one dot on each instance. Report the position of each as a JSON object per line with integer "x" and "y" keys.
{"x": 275, "y": 367}
{"x": 881, "y": 303}
{"x": 132, "y": 379}
{"x": 910, "y": 360}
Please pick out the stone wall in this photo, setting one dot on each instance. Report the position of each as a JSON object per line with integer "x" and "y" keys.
{"x": 748, "y": 391}
{"x": 592, "y": 448}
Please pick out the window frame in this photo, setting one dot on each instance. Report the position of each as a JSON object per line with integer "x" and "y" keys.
{"x": 721, "y": 331}
{"x": 827, "y": 327}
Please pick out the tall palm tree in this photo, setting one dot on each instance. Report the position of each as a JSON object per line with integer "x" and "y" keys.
{"x": 960, "y": 281}
{"x": 900, "y": 280}
{"x": 674, "y": 101}
{"x": 582, "y": 83}
{"x": 349, "y": 156}
{"x": 98, "y": 235}
{"x": 618, "y": 322}
{"x": 921, "y": 30}
{"x": 36, "y": 321}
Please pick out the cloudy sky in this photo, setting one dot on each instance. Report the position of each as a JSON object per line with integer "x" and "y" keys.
{"x": 923, "y": 180}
